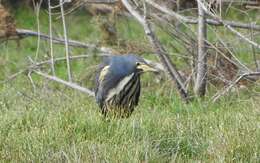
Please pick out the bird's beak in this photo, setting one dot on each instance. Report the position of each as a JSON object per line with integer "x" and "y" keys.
{"x": 146, "y": 68}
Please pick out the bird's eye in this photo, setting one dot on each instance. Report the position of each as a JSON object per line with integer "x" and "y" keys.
{"x": 138, "y": 63}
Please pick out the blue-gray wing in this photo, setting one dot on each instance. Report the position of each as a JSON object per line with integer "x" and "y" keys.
{"x": 106, "y": 79}
{"x": 99, "y": 91}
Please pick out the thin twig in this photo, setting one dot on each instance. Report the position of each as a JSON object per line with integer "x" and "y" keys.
{"x": 66, "y": 42}
{"x": 37, "y": 8}
{"x": 101, "y": 1}
{"x": 228, "y": 26}
{"x": 228, "y": 88}
{"x": 13, "y": 76}
{"x": 189, "y": 20}
{"x": 31, "y": 80}
{"x": 27, "y": 33}
{"x": 51, "y": 41}
{"x": 159, "y": 67}
{"x": 68, "y": 84}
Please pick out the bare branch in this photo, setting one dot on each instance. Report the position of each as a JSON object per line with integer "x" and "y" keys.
{"x": 66, "y": 42}
{"x": 27, "y": 33}
{"x": 101, "y": 1}
{"x": 228, "y": 88}
{"x": 37, "y": 8}
{"x": 201, "y": 78}
{"x": 187, "y": 20}
{"x": 51, "y": 41}
{"x": 156, "y": 65}
{"x": 160, "y": 51}
{"x": 243, "y": 37}
{"x": 228, "y": 26}
{"x": 68, "y": 84}
{"x": 13, "y": 76}
{"x": 31, "y": 80}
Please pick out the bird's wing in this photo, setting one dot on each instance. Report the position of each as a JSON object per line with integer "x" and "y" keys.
{"x": 105, "y": 63}
{"x": 102, "y": 80}
{"x": 104, "y": 71}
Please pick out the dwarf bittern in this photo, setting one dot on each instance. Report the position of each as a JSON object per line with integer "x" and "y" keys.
{"x": 118, "y": 84}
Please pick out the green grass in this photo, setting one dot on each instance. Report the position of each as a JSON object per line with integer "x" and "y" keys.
{"x": 49, "y": 126}
{"x": 57, "y": 124}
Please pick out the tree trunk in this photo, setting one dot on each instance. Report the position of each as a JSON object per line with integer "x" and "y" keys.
{"x": 201, "y": 67}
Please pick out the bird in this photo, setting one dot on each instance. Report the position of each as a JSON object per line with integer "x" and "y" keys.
{"x": 118, "y": 84}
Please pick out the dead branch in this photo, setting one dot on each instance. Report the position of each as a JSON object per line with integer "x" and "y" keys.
{"x": 36, "y": 65}
{"x": 156, "y": 65}
{"x": 228, "y": 26}
{"x": 22, "y": 33}
{"x": 228, "y": 88}
{"x": 243, "y": 37}
{"x": 160, "y": 51}
{"x": 201, "y": 65}
{"x": 187, "y": 20}
{"x": 69, "y": 73}
{"x": 51, "y": 41}
{"x": 101, "y": 1}
{"x": 37, "y": 7}
{"x": 68, "y": 84}
{"x": 13, "y": 76}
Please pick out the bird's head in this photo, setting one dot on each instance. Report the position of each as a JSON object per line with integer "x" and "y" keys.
{"x": 135, "y": 63}
{"x": 116, "y": 68}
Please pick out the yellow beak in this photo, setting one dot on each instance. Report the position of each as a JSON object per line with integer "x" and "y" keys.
{"x": 145, "y": 68}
